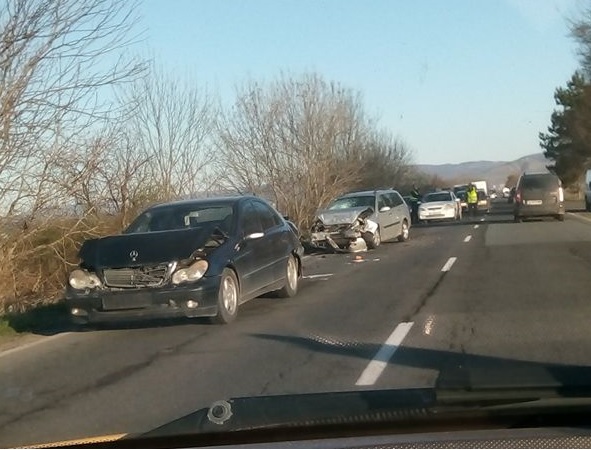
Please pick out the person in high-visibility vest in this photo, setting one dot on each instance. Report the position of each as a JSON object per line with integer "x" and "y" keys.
{"x": 472, "y": 199}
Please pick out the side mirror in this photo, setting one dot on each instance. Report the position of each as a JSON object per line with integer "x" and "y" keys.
{"x": 286, "y": 217}
{"x": 384, "y": 208}
{"x": 253, "y": 236}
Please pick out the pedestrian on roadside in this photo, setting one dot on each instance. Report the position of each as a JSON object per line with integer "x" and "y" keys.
{"x": 472, "y": 199}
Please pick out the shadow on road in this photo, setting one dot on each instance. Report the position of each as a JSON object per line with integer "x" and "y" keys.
{"x": 457, "y": 370}
{"x": 48, "y": 320}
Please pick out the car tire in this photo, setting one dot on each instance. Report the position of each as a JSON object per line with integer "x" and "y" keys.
{"x": 560, "y": 217}
{"x": 405, "y": 233}
{"x": 374, "y": 240}
{"x": 292, "y": 278}
{"x": 228, "y": 298}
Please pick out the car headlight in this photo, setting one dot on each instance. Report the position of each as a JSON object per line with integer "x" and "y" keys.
{"x": 192, "y": 273}
{"x": 81, "y": 279}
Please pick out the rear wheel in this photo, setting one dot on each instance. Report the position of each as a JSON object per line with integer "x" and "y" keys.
{"x": 292, "y": 278}
{"x": 228, "y": 298}
{"x": 405, "y": 232}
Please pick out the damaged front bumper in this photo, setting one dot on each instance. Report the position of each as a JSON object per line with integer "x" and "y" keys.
{"x": 344, "y": 237}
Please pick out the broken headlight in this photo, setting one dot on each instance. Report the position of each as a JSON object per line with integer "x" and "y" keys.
{"x": 192, "y": 273}
{"x": 81, "y": 279}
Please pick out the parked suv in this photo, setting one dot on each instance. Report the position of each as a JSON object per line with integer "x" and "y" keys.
{"x": 538, "y": 195}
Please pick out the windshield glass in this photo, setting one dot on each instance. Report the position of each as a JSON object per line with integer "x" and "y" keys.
{"x": 353, "y": 202}
{"x": 182, "y": 217}
{"x": 204, "y": 200}
{"x": 437, "y": 197}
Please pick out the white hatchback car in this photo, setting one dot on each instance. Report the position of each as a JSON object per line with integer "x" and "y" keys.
{"x": 442, "y": 205}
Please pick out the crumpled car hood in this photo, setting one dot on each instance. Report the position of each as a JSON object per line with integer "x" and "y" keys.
{"x": 135, "y": 249}
{"x": 343, "y": 216}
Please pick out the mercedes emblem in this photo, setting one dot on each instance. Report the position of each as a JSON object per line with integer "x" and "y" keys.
{"x": 133, "y": 255}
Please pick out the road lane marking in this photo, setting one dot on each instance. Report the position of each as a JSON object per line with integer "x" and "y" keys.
{"x": 319, "y": 275}
{"x": 380, "y": 361}
{"x": 467, "y": 238}
{"x": 33, "y": 344}
{"x": 482, "y": 220}
{"x": 450, "y": 262}
{"x": 476, "y": 227}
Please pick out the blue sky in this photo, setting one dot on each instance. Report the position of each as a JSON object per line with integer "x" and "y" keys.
{"x": 458, "y": 80}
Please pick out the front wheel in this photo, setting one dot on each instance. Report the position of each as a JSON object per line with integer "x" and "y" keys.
{"x": 292, "y": 278}
{"x": 404, "y": 233}
{"x": 374, "y": 240}
{"x": 228, "y": 298}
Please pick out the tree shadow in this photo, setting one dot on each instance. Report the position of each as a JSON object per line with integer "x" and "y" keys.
{"x": 457, "y": 369}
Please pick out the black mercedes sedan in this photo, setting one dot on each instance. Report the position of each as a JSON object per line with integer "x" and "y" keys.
{"x": 191, "y": 258}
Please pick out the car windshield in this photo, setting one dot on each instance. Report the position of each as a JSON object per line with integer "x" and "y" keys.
{"x": 353, "y": 202}
{"x": 170, "y": 218}
{"x": 210, "y": 201}
{"x": 437, "y": 197}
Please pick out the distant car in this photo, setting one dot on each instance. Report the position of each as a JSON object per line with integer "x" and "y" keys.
{"x": 493, "y": 195}
{"x": 442, "y": 205}
{"x": 193, "y": 258}
{"x": 483, "y": 201}
{"x": 463, "y": 200}
{"x": 539, "y": 195}
{"x": 361, "y": 220}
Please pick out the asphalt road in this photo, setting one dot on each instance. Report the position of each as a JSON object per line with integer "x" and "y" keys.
{"x": 483, "y": 302}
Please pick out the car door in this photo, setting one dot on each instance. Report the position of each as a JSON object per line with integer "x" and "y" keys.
{"x": 400, "y": 212}
{"x": 276, "y": 243}
{"x": 386, "y": 219}
{"x": 250, "y": 249}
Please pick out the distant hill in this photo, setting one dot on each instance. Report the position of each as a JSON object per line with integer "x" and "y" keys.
{"x": 494, "y": 172}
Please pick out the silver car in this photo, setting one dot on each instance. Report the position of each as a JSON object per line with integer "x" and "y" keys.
{"x": 361, "y": 220}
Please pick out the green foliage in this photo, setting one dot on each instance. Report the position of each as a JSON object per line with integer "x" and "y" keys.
{"x": 568, "y": 140}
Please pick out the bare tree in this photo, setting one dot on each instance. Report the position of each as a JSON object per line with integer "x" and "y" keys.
{"x": 172, "y": 124}
{"x": 301, "y": 142}
{"x": 57, "y": 59}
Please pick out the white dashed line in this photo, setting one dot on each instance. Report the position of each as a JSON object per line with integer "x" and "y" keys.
{"x": 476, "y": 227}
{"x": 482, "y": 219}
{"x": 380, "y": 361}
{"x": 450, "y": 262}
{"x": 467, "y": 238}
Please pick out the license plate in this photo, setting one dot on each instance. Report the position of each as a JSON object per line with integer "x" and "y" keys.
{"x": 534, "y": 202}
{"x": 131, "y": 301}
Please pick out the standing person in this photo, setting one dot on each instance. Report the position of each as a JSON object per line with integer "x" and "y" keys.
{"x": 414, "y": 210}
{"x": 472, "y": 199}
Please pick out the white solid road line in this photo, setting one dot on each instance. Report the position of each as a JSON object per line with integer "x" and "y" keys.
{"x": 380, "y": 361}
{"x": 450, "y": 262}
{"x": 476, "y": 227}
{"x": 467, "y": 238}
{"x": 319, "y": 275}
{"x": 33, "y": 344}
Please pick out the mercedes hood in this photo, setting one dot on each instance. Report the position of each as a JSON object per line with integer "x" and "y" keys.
{"x": 136, "y": 249}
